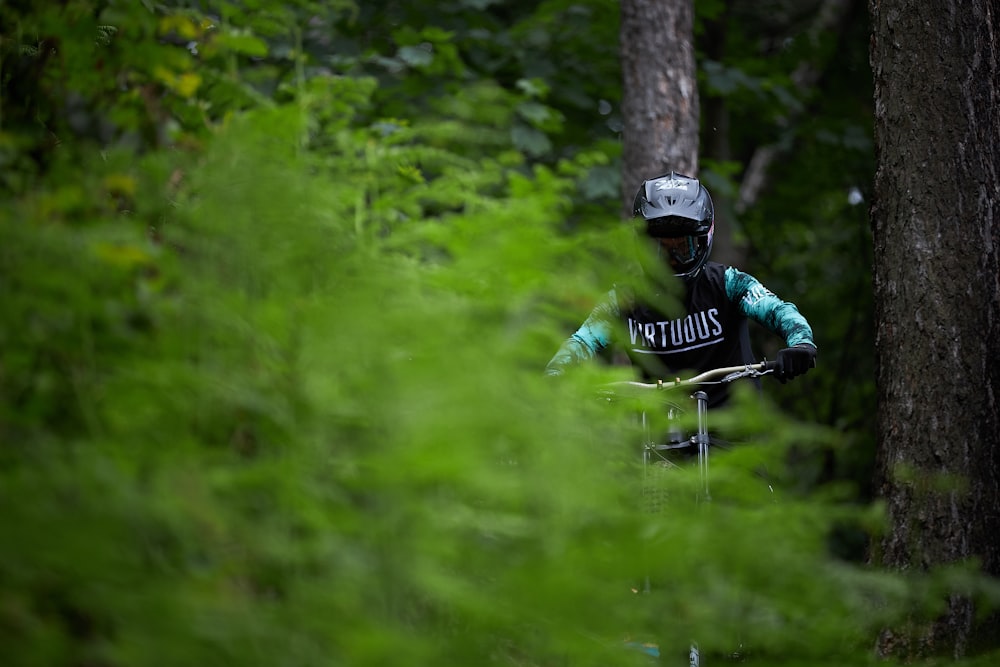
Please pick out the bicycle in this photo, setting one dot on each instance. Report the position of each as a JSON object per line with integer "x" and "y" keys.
{"x": 660, "y": 454}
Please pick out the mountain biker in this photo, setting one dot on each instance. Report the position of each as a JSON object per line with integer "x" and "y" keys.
{"x": 678, "y": 217}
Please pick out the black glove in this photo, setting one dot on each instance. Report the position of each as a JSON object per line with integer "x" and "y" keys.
{"x": 794, "y": 361}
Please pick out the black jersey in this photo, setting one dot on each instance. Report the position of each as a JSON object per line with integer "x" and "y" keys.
{"x": 712, "y": 332}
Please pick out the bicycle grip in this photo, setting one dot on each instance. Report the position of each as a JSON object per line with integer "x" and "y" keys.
{"x": 773, "y": 365}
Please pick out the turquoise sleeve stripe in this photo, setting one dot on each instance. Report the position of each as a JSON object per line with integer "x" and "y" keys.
{"x": 764, "y": 307}
{"x": 593, "y": 336}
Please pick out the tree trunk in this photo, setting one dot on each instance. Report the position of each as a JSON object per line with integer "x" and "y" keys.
{"x": 659, "y": 92}
{"x": 936, "y": 229}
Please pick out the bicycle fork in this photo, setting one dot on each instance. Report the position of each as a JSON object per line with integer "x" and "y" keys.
{"x": 701, "y": 440}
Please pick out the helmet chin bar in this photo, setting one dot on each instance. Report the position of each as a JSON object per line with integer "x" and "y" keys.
{"x": 687, "y": 272}
{"x": 676, "y": 263}
{"x": 680, "y": 266}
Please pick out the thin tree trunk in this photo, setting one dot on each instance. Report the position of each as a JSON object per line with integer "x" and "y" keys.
{"x": 936, "y": 230}
{"x": 659, "y": 91}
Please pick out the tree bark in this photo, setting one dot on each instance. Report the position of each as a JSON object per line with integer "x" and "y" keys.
{"x": 936, "y": 231}
{"x": 659, "y": 92}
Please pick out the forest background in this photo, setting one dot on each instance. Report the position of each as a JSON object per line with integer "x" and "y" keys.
{"x": 278, "y": 282}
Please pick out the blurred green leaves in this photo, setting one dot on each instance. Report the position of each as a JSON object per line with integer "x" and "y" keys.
{"x": 330, "y": 440}
{"x": 270, "y": 367}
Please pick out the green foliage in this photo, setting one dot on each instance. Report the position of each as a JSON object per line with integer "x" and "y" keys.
{"x": 806, "y": 236}
{"x": 325, "y": 447}
{"x": 270, "y": 360}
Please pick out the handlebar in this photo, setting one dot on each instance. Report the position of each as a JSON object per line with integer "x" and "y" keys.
{"x": 714, "y": 376}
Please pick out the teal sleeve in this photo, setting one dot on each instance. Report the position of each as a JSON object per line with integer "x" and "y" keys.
{"x": 764, "y": 307}
{"x": 593, "y": 336}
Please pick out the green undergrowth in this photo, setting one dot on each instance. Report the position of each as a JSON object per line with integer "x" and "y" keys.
{"x": 302, "y": 426}
{"x": 272, "y": 394}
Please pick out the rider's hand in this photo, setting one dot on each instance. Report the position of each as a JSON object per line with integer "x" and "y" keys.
{"x": 794, "y": 361}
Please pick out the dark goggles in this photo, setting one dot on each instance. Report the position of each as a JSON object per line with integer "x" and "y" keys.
{"x": 678, "y": 250}
{"x": 672, "y": 226}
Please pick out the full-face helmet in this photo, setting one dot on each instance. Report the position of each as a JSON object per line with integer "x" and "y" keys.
{"x": 680, "y": 218}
